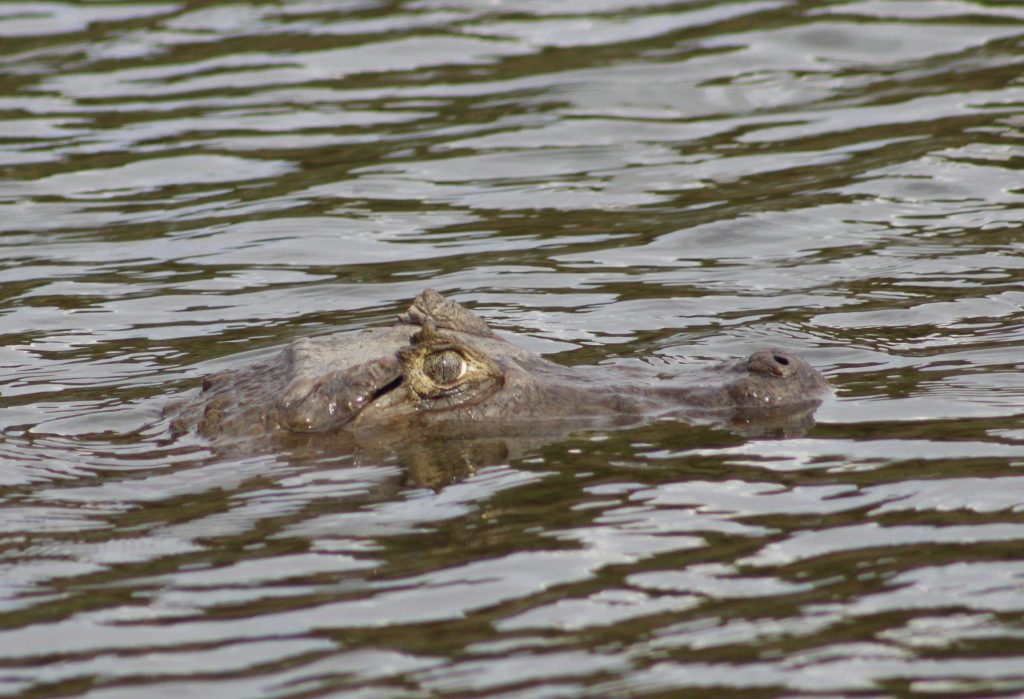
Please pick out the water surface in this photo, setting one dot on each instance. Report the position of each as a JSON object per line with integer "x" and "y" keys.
{"x": 185, "y": 186}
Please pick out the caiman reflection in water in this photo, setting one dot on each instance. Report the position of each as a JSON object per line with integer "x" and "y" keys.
{"x": 440, "y": 384}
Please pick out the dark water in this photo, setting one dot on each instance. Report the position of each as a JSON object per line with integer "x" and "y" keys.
{"x": 186, "y": 185}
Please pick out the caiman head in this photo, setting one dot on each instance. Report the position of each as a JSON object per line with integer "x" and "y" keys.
{"x": 441, "y": 372}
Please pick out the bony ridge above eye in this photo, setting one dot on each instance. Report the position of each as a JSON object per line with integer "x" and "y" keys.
{"x": 445, "y": 367}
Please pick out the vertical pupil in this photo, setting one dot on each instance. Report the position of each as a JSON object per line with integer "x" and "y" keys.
{"x": 444, "y": 367}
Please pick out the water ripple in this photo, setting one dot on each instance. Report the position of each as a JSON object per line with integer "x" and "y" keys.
{"x": 186, "y": 187}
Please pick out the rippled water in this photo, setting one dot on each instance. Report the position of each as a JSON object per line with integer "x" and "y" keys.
{"x": 184, "y": 186}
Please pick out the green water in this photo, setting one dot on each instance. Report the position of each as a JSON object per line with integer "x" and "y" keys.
{"x": 187, "y": 186}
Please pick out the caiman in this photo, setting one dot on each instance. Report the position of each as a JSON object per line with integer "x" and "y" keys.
{"x": 441, "y": 374}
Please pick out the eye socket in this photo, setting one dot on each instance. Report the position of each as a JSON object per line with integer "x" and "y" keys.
{"x": 445, "y": 367}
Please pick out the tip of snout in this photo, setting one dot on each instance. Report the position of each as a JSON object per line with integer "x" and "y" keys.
{"x": 776, "y": 362}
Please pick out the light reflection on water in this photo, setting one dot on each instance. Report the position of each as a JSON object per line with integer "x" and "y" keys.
{"x": 184, "y": 187}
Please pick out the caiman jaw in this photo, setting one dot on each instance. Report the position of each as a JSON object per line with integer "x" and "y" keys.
{"x": 330, "y": 401}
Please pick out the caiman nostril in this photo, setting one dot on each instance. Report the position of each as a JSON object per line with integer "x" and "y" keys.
{"x": 784, "y": 361}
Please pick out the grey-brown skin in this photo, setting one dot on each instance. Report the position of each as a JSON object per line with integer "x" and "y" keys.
{"x": 440, "y": 374}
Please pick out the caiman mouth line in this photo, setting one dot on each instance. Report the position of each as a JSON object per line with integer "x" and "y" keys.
{"x": 386, "y": 388}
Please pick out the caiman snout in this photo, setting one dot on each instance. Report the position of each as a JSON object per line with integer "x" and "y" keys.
{"x": 773, "y": 362}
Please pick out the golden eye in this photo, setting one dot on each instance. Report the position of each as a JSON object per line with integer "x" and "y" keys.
{"x": 444, "y": 368}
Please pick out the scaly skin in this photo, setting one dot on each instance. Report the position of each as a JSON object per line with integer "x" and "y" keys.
{"x": 441, "y": 373}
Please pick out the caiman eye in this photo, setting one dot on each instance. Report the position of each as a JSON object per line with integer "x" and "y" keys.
{"x": 445, "y": 368}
